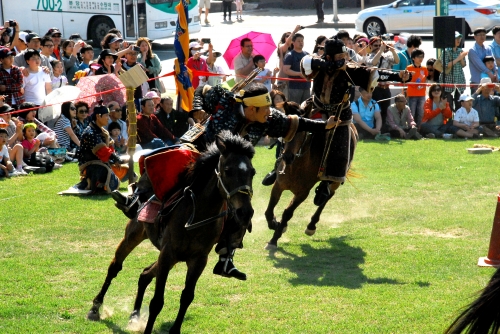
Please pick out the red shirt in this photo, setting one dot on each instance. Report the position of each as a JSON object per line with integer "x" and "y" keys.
{"x": 199, "y": 65}
{"x": 149, "y": 128}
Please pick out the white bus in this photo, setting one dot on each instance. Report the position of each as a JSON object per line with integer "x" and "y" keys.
{"x": 92, "y": 19}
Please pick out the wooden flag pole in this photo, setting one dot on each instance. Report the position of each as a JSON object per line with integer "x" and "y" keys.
{"x": 132, "y": 133}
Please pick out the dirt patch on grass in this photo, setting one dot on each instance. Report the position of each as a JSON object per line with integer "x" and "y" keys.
{"x": 449, "y": 234}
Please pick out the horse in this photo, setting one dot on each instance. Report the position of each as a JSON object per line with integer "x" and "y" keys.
{"x": 191, "y": 227}
{"x": 482, "y": 316}
{"x": 297, "y": 172}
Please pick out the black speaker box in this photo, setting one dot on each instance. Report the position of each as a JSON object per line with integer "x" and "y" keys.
{"x": 444, "y": 32}
{"x": 461, "y": 28}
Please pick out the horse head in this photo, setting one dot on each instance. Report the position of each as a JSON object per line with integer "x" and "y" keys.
{"x": 235, "y": 174}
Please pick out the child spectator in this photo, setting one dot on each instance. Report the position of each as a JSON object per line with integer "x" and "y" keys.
{"x": 37, "y": 84}
{"x": 489, "y": 62}
{"x": 11, "y": 79}
{"x": 58, "y": 78}
{"x": 30, "y": 144}
{"x": 265, "y": 74}
{"x": 87, "y": 52}
{"x": 115, "y": 130}
{"x": 46, "y": 135}
{"x": 416, "y": 89}
{"x": 6, "y": 166}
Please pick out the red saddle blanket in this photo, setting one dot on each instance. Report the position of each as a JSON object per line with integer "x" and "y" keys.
{"x": 164, "y": 168}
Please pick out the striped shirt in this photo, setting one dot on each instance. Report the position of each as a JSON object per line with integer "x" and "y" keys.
{"x": 63, "y": 138}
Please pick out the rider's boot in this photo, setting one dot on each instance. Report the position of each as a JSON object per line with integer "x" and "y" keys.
{"x": 323, "y": 193}
{"x": 271, "y": 176}
{"x": 226, "y": 268}
{"x": 128, "y": 204}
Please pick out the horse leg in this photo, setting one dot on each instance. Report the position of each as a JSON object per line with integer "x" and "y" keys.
{"x": 287, "y": 215}
{"x": 134, "y": 235}
{"x": 164, "y": 264}
{"x": 273, "y": 201}
{"x": 311, "y": 227}
{"x": 195, "y": 269}
{"x": 145, "y": 279}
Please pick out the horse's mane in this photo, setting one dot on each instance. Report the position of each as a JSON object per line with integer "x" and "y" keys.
{"x": 207, "y": 162}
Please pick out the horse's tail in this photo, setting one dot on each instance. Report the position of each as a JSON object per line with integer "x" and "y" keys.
{"x": 483, "y": 315}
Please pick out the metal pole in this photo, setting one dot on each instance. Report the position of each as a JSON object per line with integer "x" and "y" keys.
{"x": 335, "y": 12}
{"x": 362, "y": 4}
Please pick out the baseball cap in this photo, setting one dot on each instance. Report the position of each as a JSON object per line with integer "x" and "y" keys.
{"x": 22, "y": 36}
{"x": 485, "y": 81}
{"x": 53, "y": 31}
{"x": 31, "y": 36}
{"x": 5, "y": 52}
{"x": 466, "y": 97}
{"x": 194, "y": 45}
{"x": 458, "y": 35}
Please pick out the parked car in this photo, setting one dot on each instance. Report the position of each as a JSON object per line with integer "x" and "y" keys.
{"x": 416, "y": 16}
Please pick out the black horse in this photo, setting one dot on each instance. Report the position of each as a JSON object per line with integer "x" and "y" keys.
{"x": 482, "y": 316}
{"x": 219, "y": 182}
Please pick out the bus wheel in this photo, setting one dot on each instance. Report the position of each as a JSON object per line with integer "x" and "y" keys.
{"x": 98, "y": 28}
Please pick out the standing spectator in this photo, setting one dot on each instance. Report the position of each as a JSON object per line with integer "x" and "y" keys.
{"x": 175, "y": 121}
{"x": 284, "y": 46}
{"x": 489, "y": 62}
{"x": 70, "y": 59}
{"x": 343, "y": 35}
{"x": 56, "y": 36}
{"x": 226, "y": 6}
{"x": 266, "y": 76}
{"x": 65, "y": 127}
{"x": 47, "y": 48}
{"x": 495, "y": 45}
{"x": 205, "y": 4}
{"x": 319, "y": 46}
{"x": 115, "y": 115}
{"x": 243, "y": 63}
{"x": 476, "y": 56}
{"x": 453, "y": 72}
{"x": 437, "y": 113}
{"x": 149, "y": 61}
{"x": 33, "y": 42}
{"x": 432, "y": 73}
{"x": 212, "y": 67}
{"x": 400, "y": 121}
{"x": 11, "y": 79}
{"x": 107, "y": 61}
{"x": 299, "y": 90}
{"x": 131, "y": 55}
{"x": 366, "y": 115}
{"x": 239, "y": 9}
{"x": 487, "y": 106}
{"x": 466, "y": 118}
{"x": 412, "y": 43}
{"x": 416, "y": 89}
{"x": 111, "y": 41}
{"x": 150, "y": 132}
{"x": 58, "y": 77}
{"x": 37, "y": 84}
{"x": 319, "y": 10}
{"x": 195, "y": 62}
{"x": 87, "y": 53}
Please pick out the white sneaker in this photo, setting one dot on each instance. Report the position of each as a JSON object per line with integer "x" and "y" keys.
{"x": 14, "y": 173}
{"x": 21, "y": 172}
{"x": 57, "y": 166}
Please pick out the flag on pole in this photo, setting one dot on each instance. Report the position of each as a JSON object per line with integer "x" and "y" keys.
{"x": 183, "y": 75}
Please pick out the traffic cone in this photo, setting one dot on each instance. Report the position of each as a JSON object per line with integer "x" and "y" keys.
{"x": 493, "y": 258}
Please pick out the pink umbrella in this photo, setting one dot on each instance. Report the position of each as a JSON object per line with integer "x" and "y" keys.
{"x": 263, "y": 44}
{"x": 93, "y": 85}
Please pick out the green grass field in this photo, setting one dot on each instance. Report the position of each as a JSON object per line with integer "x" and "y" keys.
{"x": 395, "y": 252}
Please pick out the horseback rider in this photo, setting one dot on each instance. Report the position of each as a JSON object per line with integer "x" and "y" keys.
{"x": 248, "y": 114}
{"x": 335, "y": 76}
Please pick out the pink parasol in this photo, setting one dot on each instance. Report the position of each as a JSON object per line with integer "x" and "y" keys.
{"x": 94, "y": 84}
{"x": 263, "y": 44}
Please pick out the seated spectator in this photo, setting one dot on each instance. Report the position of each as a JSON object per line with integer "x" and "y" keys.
{"x": 417, "y": 88}
{"x": 58, "y": 77}
{"x": 46, "y": 135}
{"x": 65, "y": 127}
{"x": 400, "y": 121}
{"x": 115, "y": 115}
{"x": 6, "y": 166}
{"x": 195, "y": 117}
{"x": 156, "y": 98}
{"x": 11, "y": 79}
{"x": 119, "y": 144}
{"x": 466, "y": 118}
{"x": 487, "y": 106}
{"x": 82, "y": 118}
{"x": 14, "y": 136}
{"x": 175, "y": 121}
{"x": 196, "y": 63}
{"x": 107, "y": 61}
{"x": 266, "y": 76}
{"x": 31, "y": 145}
{"x": 366, "y": 115}
{"x": 437, "y": 113}
{"x": 489, "y": 62}
{"x": 37, "y": 84}
{"x": 97, "y": 155}
{"x": 150, "y": 132}
{"x": 70, "y": 59}
{"x": 150, "y": 61}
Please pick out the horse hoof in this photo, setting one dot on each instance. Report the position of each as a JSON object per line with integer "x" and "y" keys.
{"x": 284, "y": 229}
{"x": 270, "y": 246}
{"x": 93, "y": 315}
{"x": 309, "y": 232}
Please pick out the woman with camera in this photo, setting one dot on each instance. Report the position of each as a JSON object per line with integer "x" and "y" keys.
{"x": 150, "y": 61}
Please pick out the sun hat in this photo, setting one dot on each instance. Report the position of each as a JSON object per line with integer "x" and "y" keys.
{"x": 151, "y": 95}
{"x": 466, "y": 97}
{"x": 5, "y": 109}
{"x": 3, "y": 123}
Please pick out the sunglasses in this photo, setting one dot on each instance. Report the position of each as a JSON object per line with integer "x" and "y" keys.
{"x": 72, "y": 108}
{"x": 116, "y": 110}
{"x": 83, "y": 111}
{"x": 321, "y": 47}
{"x": 57, "y": 36}
{"x": 437, "y": 90}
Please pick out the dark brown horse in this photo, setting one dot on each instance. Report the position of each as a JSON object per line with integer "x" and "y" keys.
{"x": 298, "y": 172}
{"x": 221, "y": 178}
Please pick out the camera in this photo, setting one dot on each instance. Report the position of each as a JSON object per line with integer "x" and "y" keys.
{"x": 136, "y": 48}
{"x": 302, "y": 27}
{"x": 206, "y": 40}
{"x": 12, "y": 23}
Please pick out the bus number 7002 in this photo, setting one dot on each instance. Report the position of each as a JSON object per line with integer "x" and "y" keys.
{"x": 51, "y": 5}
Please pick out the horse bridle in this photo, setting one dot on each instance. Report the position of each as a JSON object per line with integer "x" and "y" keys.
{"x": 245, "y": 189}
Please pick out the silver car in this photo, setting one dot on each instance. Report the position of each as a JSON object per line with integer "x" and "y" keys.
{"x": 417, "y": 16}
